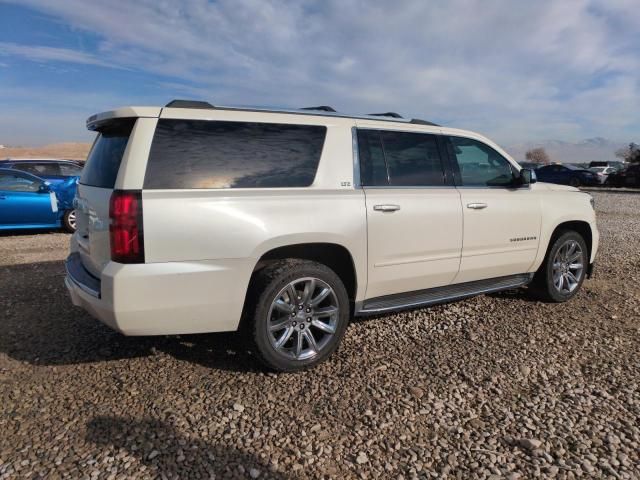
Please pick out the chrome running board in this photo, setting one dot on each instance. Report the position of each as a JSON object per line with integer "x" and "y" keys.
{"x": 421, "y": 298}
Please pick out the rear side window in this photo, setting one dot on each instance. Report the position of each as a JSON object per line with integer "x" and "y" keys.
{"x": 193, "y": 154}
{"x": 103, "y": 162}
{"x": 399, "y": 159}
{"x": 39, "y": 168}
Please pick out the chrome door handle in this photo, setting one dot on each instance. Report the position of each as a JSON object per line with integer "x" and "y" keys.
{"x": 386, "y": 208}
{"x": 477, "y": 206}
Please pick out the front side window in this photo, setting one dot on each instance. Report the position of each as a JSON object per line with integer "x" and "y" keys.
{"x": 191, "y": 154}
{"x": 399, "y": 159}
{"x": 17, "y": 183}
{"x": 479, "y": 164}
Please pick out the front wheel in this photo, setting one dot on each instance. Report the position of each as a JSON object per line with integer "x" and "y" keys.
{"x": 296, "y": 314}
{"x": 574, "y": 182}
{"x": 69, "y": 221}
{"x": 564, "y": 269}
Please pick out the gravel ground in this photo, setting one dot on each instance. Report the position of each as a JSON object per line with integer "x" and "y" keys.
{"x": 493, "y": 387}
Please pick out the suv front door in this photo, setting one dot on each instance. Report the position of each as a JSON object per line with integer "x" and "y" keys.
{"x": 414, "y": 215}
{"x": 501, "y": 220}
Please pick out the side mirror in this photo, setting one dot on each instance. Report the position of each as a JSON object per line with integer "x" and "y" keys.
{"x": 44, "y": 188}
{"x": 526, "y": 177}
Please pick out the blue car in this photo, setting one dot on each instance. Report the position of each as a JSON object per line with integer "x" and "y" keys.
{"x": 566, "y": 175}
{"x": 53, "y": 171}
{"x": 29, "y": 202}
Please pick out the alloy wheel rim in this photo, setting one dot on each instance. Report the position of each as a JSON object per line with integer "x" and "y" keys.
{"x": 72, "y": 219}
{"x": 303, "y": 318}
{"x": 568, "y": 267}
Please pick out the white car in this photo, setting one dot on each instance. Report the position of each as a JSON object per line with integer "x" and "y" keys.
{"x": 602, "y": 172}
{"x": 286, "y": 223}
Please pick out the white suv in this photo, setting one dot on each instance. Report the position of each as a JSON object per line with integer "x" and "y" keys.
{"x": 285, "y": 223}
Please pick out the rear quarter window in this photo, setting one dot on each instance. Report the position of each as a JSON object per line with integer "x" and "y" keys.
{"x": 103, "y": 162}
{"x": 200, "y": 154}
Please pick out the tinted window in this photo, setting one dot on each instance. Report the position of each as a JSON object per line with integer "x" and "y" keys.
{"x": 399, "y": 159}
{"x": 38, "y": 169}
{"x": 479, "y": 164}
{"x": 209, "y": 154}
{"x": 373, "y": 169}
{"x": 17, "y": 183}
{"x": 412, "y": 159}
{"x": 103, "y": 162}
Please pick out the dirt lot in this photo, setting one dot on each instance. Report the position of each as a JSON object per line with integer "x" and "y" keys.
{"x": 493, "y": 387}
{"x": 70, "y": 151}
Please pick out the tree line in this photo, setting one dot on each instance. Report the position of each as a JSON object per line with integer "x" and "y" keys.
{"x": 630, "y": 153}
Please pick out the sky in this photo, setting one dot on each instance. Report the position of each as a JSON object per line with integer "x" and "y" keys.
{"x": 517, "y": 71}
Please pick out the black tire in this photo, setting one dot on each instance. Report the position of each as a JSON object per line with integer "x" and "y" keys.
{"x": 267, "y": 286}
{"x": 543, "y": 286}
{"x": 69, "y": 221}
{"x": 574, "y": 182}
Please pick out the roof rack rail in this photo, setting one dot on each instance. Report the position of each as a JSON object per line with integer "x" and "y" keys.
{"x": 188, "y": 104}
{"x": 386, "y": 114}
{"x": 322, "y": 108}
{"x": 418, "y": 121}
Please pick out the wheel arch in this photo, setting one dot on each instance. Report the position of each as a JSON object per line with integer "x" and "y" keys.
{"x": 580, "y": 226}
{"x": 335, "y": 256}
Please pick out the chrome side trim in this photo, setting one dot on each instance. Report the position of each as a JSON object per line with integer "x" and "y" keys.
{"x": 437, "y": 295}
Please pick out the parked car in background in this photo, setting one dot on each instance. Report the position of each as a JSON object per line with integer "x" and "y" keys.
{"x": 566, "y": 175}
{"x": 602, "y": 172}
{"x": 53, "y": 171}
{"x": 30, "y": 202}
{"x": 627, "y": 177}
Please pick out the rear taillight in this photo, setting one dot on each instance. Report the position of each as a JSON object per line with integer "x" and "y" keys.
{"x": 125, "y": 230}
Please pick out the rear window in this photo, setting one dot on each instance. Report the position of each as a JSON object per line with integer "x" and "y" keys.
{"x": 103, "y": 162}
{"x": 193, "y": 154}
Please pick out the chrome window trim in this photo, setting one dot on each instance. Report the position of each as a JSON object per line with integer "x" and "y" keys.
{"x": 356, "y": 158}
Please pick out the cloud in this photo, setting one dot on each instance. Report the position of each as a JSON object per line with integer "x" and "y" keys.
{"x": 547, "y": 69}
{"x": 50, "y": 54}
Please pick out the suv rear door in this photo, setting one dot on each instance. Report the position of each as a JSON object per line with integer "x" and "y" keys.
{"x": 414, "y": 215}
{"x": 94, "y": 192}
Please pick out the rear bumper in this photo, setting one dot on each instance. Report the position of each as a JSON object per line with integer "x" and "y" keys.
{"x": 163, "y": 298}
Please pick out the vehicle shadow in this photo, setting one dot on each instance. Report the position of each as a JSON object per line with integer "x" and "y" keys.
{"x": 516, "y": 294}
{"x": 169, "y": 454}
{"x": 42, "y": 327}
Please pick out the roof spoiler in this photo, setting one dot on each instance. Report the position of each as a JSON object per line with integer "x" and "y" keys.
{"x": 188, "y": 104}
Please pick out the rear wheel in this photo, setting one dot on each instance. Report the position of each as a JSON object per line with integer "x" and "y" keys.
{"x": 564, "y": 269}
{"x": 296, "y": 314}
{"x": 574, "y": 182}
{"x": 69, "y": 221}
